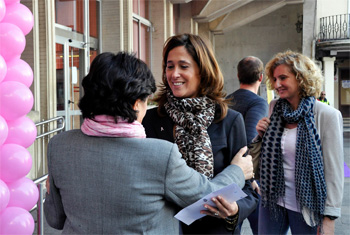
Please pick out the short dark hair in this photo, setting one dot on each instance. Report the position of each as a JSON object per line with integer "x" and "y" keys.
{"x": 249, "y": 69}
{"x": 113, "y": 84}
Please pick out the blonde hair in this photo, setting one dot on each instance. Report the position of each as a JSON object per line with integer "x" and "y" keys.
{"x": 307, "y": 73}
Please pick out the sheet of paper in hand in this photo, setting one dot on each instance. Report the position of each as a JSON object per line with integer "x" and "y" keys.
{"x": 191, "y": 213}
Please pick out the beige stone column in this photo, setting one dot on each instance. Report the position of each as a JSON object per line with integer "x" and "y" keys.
{"x": 328, "y": 68}
{"x": 112, "y": 26}
{"x": 309, "y": 24}
{"x": 159, "y": 16}
{"x": 186, "y": 24}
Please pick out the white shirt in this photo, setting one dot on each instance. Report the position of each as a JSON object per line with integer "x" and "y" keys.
{"x": 288, "y": 146}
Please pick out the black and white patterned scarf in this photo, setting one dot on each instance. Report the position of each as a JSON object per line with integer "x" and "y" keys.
{"x": 309, "y": 175}
{"x": 192, "y": 117}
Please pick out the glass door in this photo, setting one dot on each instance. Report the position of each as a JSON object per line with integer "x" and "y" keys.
{"x": 69, "y": 72}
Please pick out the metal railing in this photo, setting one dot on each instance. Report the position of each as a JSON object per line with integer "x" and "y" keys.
{"x": 334, "y": 27}
{"x": 40, "y": 204}
{"x": 45, "y": 131}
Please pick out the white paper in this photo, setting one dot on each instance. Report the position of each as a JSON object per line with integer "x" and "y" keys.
{"x": 191, "y": 213}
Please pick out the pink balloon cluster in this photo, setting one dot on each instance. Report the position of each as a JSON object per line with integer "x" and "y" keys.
{"x": 18, "y": 194}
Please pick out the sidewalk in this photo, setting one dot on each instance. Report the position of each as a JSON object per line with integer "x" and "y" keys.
{"x": 342, "y": 225}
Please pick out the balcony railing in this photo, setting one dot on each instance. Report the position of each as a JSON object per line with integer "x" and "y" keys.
{"x": 334, "y": 27}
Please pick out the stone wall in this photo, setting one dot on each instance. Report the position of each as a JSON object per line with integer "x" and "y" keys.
{"x": 263, "y": 38}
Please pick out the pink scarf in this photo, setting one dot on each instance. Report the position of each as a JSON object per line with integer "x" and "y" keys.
{"x": 103, "y": 125}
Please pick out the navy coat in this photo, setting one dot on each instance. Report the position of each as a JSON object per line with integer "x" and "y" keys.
{"x": 227, "y": 138}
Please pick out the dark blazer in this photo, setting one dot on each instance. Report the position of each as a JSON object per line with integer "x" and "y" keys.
{"x": 104, "y": 185}
{"x": 252, "y": 107}
{"x": 227, "y": 138}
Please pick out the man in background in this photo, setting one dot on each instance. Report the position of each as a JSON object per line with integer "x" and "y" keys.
{"x": 323, "y": 98}
{"x": 246, "y": 101}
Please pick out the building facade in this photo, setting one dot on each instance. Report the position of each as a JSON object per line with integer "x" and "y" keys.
{"x": 68, "y": 34}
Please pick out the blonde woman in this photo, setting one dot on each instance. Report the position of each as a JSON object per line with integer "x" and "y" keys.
{"x": 301, "y": 166}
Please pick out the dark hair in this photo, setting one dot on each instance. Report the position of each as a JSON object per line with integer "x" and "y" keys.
{"x": 113, "y": 85}
{"x": 249, "y": 70}
{"x": 212, "y": 80}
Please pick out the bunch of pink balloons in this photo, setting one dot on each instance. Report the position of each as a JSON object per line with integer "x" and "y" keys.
{"x": 18, "y": 194}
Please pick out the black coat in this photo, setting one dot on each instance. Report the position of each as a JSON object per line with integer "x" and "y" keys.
{"x": 227, "y": 138}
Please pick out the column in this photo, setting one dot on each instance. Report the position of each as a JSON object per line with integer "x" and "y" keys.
{"x": 309, "y": 12}
{"x": 185, "y": 20}
{"x": 328, "y": 69}
{"x": 112, "y": 26}
{"x": 160, "y": 20}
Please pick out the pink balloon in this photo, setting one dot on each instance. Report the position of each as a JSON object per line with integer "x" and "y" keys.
{"x": 3, "y": 130}
{"x": 12, "y": 41}
{"x": 15, "y": 162}
{"x": 19, "y": 71}
{"x": 16, "y": 220}
{"x": 19, "y": 15}
{"x": 8, "y": 2}
{"x": 3, "y": 68}
{"x": 4, "y": 195}
{"x": 21, "y": 131}
{"x": 16, "y": 100}
{"x": 23, "y": 193}
{"x": 2, "y": 9}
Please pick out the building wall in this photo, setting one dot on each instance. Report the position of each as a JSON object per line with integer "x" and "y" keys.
{"x": 112, "y": 26}
{"x": 162, "y": 29}
{"x": 329, "y": 8}
{"x": 263, "y": 38}
{"x": 39, "y": 53}
{"x": 334, "y": 13}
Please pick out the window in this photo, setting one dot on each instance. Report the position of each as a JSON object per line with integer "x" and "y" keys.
{"x": 142, "y": 31}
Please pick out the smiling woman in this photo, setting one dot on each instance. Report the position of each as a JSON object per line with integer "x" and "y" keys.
{"x": 286, "y": 85}
{"x": 193, "y": 113}
{"x": 182, "y": 73}
{"x": 301, "y": 161}
{"x": 142, "y": 181}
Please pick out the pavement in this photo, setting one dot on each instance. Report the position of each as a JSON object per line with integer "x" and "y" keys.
{"x": 342, "y": 224}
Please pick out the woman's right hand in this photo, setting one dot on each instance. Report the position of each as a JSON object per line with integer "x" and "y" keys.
{"x": 262, "y": 126}
{"x": 47, "y": 185}
{"x": 245, "y": 163}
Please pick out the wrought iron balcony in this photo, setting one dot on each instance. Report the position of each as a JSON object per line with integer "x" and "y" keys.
{"x": 334, "y": 27}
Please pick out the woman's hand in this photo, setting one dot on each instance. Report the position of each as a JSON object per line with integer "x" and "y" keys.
{"x": 256, "y": 187}
{"x": 328, "y": 227}
{"x": 222, "y": 210}
{"x": 262, "y": 126}
{"x": 245, "y": 163}
{"x": 47, "y": 185}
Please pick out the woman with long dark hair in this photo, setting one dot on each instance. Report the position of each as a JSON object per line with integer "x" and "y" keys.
{"x": 193, "y": 113}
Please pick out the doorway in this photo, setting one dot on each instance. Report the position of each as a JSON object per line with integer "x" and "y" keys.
{"x": 69, "y": 72}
